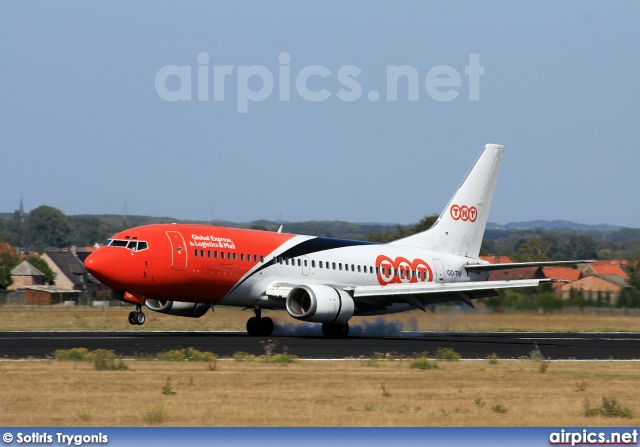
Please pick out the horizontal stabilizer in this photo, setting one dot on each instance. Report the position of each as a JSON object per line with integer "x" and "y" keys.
{"x": 519, "y": 265}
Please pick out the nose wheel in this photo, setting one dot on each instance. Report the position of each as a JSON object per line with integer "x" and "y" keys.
{"x": 137, "y": 317}
{"x": 258, "y": 326}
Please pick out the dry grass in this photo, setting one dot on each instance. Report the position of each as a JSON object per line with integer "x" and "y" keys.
{"x": 306, "y": 393}
{"x": 225, "y": 318}
{"x": 569, "y": 320}
{"x": 85, "y": 318}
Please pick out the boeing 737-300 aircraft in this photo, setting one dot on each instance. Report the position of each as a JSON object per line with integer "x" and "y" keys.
{"x": 186, "y": 270}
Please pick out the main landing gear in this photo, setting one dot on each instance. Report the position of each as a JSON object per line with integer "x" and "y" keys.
{"x": 137, "y": 317}
{"x": 332, "y": 330}
{"x": 258, "y": 326}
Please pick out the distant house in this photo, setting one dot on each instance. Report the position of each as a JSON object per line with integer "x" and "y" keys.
{"x": 561, "y": 273}
{"x": 607, "y": 286}
{"x": 25, "y": 275}
{"x": 69, "y": 271}
{"x": 598, "y": 269}
{"x": 47, "y": 295}
{"x": 602, "y": 278}
{"x": 564, "y": 273}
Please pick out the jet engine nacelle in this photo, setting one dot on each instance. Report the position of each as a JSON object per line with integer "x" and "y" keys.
{"x": 319, "y": 303}
{"x": 179, "y": 308}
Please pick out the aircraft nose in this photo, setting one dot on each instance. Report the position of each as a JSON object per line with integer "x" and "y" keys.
{"x": 101, "y": 263}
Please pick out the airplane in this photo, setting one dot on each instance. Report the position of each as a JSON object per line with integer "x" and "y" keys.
{"x": 187, "y": 269}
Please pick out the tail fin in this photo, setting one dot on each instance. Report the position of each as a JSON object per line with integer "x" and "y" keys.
{"x": 460, "y": 227}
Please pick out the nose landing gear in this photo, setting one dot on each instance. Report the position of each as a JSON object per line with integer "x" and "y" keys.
{"x": 258, "y": 326}
{"x": 137, "y": 317}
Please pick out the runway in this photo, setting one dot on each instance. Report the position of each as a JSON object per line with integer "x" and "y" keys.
{"x": 476, "y": 345}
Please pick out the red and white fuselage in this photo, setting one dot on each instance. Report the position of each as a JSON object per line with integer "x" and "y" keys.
{"x": 185, "y": 269}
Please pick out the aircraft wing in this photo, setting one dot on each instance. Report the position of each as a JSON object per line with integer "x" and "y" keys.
{"x": 428, "y": 288}
{"x": 421, "y": 294}
{"x": 430, "y": 293}
{"x": 517, "y": 265}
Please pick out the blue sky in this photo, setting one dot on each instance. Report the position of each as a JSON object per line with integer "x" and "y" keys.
{"x": 83, "y": 126}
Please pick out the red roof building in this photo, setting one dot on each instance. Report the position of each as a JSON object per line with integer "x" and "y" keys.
{"x": 591, "y": 286}
{"x": 604, "y": 269}
{"x": 565, "y": 273}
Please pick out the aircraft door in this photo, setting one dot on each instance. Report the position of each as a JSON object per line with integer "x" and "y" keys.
{"x": 439, "y": 273}
{"x": 305, "y": 265}
{"x": 178, "y": 250}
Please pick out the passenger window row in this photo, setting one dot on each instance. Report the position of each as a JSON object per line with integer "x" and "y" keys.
{"x": 388, "y": 272}
{"x": 231, "y": 256}
{"x": 327, "y": 265}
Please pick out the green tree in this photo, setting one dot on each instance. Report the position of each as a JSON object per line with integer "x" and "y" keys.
{"x": 8, "y": 261}
{"x": 588, "y": 300}
{"x": 581, "y": 246}
{"x": 42, "y": 265}
{"x": 630, "y": 297}
{"x": 87, "y": 230}
{"x": 50, "y": 226}
{"x": 599, "y": 299}
{"x": 12, "y": 230}
{"x": 423, "y": 225}
{"x": 532, "y": 250}
{"x": 5, "y": 276}
{"x": 576, "y": 298}
{"x": 547, "y": 301}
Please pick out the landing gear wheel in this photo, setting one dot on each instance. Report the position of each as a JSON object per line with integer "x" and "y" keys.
{"x": 335, "y": 330}
{"x": 140, "y": 318}
{"x": 262, "y": 327}
{"x": 253, "y": 326}
{"x": 137, "y": 317}
{"x": 266, "y": 326}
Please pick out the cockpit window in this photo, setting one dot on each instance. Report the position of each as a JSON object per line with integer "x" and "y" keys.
{"x": 129, "y": 244}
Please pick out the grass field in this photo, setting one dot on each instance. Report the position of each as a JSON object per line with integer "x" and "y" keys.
{"x": 225, "y": 318}
{"x": 371, "y": 392}
{"x": 332, "y": 393}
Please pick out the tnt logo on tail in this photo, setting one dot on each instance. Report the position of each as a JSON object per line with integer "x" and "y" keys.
{"x": 464, "y": 213}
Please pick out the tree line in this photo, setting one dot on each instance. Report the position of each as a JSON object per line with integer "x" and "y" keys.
{"x": 48, "y": 228}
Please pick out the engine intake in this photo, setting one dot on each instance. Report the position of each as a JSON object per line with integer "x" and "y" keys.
{"x": 179, "y": 308}
{"x": 319, "y": 303}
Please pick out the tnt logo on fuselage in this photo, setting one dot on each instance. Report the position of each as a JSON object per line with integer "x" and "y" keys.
{"x": 464, "y": 212}
{"x": 401, "y": 270}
